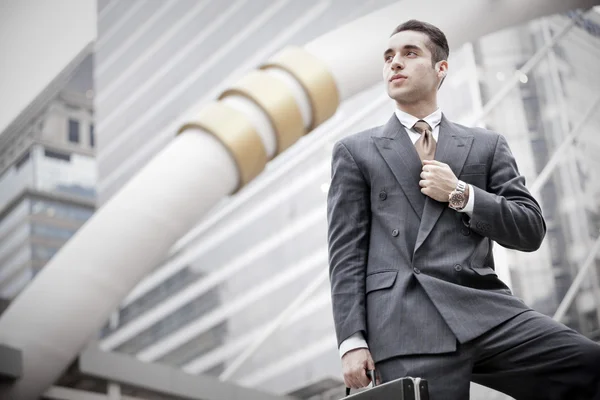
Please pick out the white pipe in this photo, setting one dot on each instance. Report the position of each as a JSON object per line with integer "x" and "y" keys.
{"x": 70, "y": 299}
{"x": 54, "y": 317}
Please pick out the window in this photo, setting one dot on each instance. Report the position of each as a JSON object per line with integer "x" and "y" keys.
{"x": 92, "y": 143}
{"x": 73, "y": 131}
{"x": 52, "y": 232}
{"x": 58, "y": 155}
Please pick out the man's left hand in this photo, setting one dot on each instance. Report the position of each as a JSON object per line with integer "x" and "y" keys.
{"x": 437, "y": 180}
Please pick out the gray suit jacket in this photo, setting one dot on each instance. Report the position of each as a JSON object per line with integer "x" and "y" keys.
{"x": 409, "y": 272}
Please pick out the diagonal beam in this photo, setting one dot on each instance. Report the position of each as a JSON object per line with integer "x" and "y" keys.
{"x": 275, "y": 325}
{"x": 575, "y": 286}
{"x": 560, "y": 151}
{"x": 525, "y": 69}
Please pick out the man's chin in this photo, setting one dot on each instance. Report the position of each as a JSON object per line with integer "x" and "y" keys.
{"x": 399, "y": 96}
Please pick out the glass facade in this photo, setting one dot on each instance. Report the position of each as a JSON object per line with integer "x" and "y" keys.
{"x": 239, "y": 270}
{"x": 31, "y": 233}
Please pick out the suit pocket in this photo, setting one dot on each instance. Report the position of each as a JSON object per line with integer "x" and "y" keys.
{"x": 474, "y": 169}
{"x": 380, "y": 280}
{"x": 484, "y": 271}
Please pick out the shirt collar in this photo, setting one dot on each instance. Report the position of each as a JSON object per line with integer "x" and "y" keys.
{"x": 409, "y": 121}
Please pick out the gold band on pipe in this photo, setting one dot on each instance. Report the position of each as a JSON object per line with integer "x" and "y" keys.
{"x": 314, "y": 77}
{"x": 233, "y": 129}
{"x": 276, "y": 100}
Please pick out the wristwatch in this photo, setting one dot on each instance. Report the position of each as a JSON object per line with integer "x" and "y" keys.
{"x": 458, "y": 198}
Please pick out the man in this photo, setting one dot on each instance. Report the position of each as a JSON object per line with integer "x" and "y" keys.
{"x": 413, "y": 208}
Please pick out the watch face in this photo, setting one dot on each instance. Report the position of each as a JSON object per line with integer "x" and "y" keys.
{"x": 457, "y": 200}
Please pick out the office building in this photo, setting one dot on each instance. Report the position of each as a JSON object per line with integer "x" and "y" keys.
{"x": 47, "y": 179}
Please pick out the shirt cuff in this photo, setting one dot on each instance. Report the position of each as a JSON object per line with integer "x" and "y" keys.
{"x": 356, "y": 341}
{"x": 470, "y": 203}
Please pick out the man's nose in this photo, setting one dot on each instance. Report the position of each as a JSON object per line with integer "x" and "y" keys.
{"x": 397, "y": 62}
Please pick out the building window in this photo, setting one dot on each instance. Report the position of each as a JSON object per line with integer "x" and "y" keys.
{"x": 57, "y": 154}
{"x": 92, "y": 142}
{"x": 73, "y": 131}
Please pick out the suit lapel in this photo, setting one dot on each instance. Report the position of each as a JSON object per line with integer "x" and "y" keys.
{"x": 452, "y": 148}
{"x": 400, "y": 154}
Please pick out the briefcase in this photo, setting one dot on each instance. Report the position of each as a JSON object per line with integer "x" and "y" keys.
{"x": 406, "y": 388}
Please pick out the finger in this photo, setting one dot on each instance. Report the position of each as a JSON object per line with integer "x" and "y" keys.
{"x": 432, "y": 162}
{"x": 423, "y": 183}
{"x": 364, "y": 379}
{"x": 353, "y": 376}
{"x": 370, "y": 365}
{"x": 425, "y": 191}
{"x": 361, "y": 379}
{"x": 431, "y": 168}
{"x": 350, "y": 381}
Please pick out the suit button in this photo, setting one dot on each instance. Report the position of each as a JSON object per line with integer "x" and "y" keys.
{"x": 417, "y": 270}
{"x": 458, "y": 267}
{"x": 465, "y": 231}
{"x": 395, "y": 232}
{"x": 382, "y": 195}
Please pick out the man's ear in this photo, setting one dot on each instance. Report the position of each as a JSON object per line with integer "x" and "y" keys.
{"x": 442, "y": 68}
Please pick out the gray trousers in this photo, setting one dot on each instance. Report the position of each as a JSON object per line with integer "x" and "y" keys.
{"x": 528, "y": 357}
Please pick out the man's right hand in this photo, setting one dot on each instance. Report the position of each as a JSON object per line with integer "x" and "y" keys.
{"x": 355, "y": 365}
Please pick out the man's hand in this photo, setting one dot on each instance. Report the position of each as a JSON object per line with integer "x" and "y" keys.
{"x": 355, "y": 364}
{"x": 437, "y": 180}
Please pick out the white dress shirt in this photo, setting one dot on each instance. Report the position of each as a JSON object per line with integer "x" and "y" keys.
{"x": 357, "y": 341}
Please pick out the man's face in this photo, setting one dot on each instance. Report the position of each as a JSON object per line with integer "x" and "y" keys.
{"x": 408, "y": 70}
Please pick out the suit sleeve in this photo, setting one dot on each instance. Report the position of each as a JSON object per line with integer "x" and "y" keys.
{"x": 507, "y": 213}
{"x": 349, "y": 219}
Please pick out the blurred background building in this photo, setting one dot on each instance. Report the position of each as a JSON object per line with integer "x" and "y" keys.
{"x": 258, "y": 261}
{"x": 47, "y": 179}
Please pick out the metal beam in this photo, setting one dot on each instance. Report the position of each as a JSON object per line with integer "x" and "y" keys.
{"x": 275, "y": 325}
{"x": 544, "y": 175}
{"x": 574, "y": 288}
{"x": 63, "y": 393}
{"x": 171, "y": 381}
{"x": 525, "y": 69}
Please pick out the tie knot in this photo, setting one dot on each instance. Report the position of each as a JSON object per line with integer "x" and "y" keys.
{"x": 421, "y": 127}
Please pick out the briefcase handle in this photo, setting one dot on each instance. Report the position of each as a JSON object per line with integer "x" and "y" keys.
{"x": 371, "y": 373}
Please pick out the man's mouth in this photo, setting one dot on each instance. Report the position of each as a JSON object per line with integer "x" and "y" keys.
{"x": 397, "y": 77}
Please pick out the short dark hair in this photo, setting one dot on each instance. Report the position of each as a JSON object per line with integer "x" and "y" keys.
{"x": 438, "y": 45}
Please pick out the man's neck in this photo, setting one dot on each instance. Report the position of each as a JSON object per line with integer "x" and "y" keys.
{"x": 419, "y": 109}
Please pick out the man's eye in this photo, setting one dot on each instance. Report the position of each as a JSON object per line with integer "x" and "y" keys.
{"x": 388, "y": 58}
{"x": 411, "y": 52}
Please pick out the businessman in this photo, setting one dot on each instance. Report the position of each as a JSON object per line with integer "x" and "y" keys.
{"x": 413, "y": 209}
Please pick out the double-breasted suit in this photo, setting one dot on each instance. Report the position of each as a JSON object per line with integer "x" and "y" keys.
{"x": 410, "y": 273}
